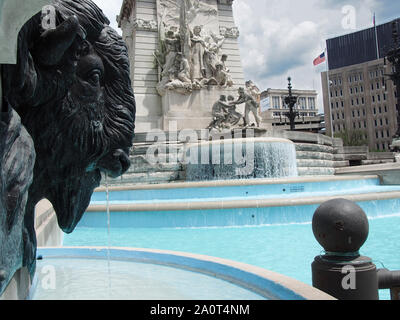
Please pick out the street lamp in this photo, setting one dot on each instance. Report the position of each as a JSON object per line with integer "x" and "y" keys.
{"x": 291, "y": 101}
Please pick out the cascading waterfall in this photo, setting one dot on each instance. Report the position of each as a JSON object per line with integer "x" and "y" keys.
{"x": 249, "y": 158}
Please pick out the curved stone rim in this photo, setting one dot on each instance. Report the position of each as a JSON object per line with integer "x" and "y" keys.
{"x": 240, "y": 141}
{"x": 267, "y": 284}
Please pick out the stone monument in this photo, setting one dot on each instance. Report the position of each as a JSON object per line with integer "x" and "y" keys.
{"x": 184, "y": 56}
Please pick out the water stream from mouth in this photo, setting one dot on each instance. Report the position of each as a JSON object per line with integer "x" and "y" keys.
{"x": 108, "y": 233}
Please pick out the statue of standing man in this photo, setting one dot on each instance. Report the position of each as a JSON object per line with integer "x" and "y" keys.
{"x": 252, "y": 106}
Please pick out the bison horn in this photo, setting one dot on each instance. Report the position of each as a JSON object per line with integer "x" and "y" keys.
{"x": 54, "y": 43}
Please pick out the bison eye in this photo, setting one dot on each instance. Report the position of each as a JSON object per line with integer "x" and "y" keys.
{"x": 94, "y": 77}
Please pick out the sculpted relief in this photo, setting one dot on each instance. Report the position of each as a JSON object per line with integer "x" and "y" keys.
{"x": 224, "y": 111}
{"x": 189, "y": 56}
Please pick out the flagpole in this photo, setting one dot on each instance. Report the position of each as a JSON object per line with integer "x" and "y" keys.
{"x": 376, "y": 38}
{"x": 329, "y": 92}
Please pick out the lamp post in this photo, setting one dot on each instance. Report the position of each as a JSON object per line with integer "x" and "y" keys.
{"x": 393, "y": 56}
{"x": 291, "y": 101}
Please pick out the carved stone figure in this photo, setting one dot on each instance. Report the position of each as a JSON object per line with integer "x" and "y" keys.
{"x": 200, "y": 50}
{"x": 219, "y": 113}
{"x": 252, "y": 106}
{"x": 224, "y": 114}
{"x": 214, "y": 44}
{"x": 72, "y": 90}
{"x": 172, "y": 48}
{"x": 197, "y": 54}
{"x": 184, "y": 70}
{"x": 253, "y": 90}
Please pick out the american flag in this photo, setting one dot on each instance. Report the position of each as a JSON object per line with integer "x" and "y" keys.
{"x": 320, "y": 59}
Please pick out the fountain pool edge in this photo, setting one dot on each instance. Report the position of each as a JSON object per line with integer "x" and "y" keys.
{"x": 234, "y": 183}
{"x": 240, "y": 204}
{"x": 266, "y": 283}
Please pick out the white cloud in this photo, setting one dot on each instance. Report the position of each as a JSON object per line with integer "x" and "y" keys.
{"x": 282, "y": 37}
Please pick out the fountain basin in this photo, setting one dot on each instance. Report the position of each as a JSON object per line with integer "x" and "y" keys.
{"x": 82, "y": 273}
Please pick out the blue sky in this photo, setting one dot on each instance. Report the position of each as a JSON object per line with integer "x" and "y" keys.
{"x": 281, "y": 38}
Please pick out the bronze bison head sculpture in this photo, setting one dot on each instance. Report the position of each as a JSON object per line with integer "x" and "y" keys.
{"x": 72, "y": 89}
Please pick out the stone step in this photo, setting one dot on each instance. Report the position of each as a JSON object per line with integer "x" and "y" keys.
{"x": 314, "y": 148}
{"x": 370, "y": 162}
{"x": 352, "y": 150}
{"x": 339, "y": 157}
{"x": 315, "y": 171}
{"x": 314, "y": 155}
{"x": 312, "y": 163}
{"x": 341, "y": 164}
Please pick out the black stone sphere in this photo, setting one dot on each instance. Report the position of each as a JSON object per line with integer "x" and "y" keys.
{"x": 340, "y": 226}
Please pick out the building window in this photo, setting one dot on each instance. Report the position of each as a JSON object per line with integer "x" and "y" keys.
{"x": 302, "y": 103}
{"x": 276, "y": 102}
{"x": 311, "y": 103}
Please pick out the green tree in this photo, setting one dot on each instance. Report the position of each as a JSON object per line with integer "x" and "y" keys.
{"x": 353, "y": 138}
